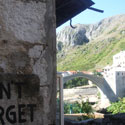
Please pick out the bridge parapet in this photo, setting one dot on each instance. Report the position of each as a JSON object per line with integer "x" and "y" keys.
{"x": 95, "y": 79}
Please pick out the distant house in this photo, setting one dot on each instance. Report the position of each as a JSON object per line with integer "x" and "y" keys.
{"x": 72, "y": 72}
{"x": 65, "y": 73}
{"x": 87, "y": 72}
{"x": 99, "y": 70}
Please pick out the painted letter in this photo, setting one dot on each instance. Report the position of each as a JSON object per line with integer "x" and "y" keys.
{"x": 5, "y": 90}
{"x": 1, "y": 115}
{"x": 11, "y": 116}
{"x": 31, "y": 106}
{"x": 21, "y": 113}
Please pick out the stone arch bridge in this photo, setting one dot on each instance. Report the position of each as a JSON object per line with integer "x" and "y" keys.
{"x": 107, "y": 93}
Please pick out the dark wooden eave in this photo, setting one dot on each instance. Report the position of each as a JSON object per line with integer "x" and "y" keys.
{"x": 67, "y": 9}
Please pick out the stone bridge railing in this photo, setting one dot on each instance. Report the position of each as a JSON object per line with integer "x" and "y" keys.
{"x": 95, "y": 79}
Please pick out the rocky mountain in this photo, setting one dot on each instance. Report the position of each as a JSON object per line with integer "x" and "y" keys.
{"x": 72, "y": 37}
{"x": 73, "y": 45}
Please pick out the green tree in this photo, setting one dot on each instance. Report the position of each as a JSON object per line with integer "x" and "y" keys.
{"x": 86, "y": 107}
{"x": 76, "y": 107}
{"x": 66, "y": 108}
{"x": 117, "y": 107}
{"x": 76, "y": 82}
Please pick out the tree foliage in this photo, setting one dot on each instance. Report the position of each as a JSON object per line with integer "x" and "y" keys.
{"x": 77, "y": 107}
{"x": 86, "y": 107}
{"x": 66, "y": 108}
{"x": 117, "y": 107}
{"x": 76, "y": 82}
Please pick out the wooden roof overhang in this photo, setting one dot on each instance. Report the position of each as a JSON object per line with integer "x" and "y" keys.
{"x": 67, "y": 9}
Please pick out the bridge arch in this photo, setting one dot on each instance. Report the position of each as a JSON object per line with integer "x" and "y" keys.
{"x": 104, "y": 88}
{"x": 92, "y": 78}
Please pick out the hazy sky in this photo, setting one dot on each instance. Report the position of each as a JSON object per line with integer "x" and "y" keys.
{"x": 110, "y": 7}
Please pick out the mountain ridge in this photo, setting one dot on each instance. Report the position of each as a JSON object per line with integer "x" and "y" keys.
{"x": 106, "y": 33}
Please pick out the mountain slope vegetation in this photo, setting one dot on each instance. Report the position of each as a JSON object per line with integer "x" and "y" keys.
{"x": 90, "y": 47}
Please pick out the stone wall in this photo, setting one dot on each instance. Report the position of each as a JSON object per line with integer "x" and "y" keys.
{"x": 118, "y": 119}
{"x": 27, "y": 62}
{"x": 120, "y": 83}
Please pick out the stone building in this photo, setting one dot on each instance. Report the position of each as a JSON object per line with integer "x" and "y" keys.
{"x": 115, "y": 74}
{"x": 28, "y": 58}
{"x": 27, "y": 62}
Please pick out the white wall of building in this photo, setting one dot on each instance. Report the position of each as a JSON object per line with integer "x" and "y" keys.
{"x": 120, "y": 83}
{"x": 119, "y": 59}
{"x": 115, "y": 74}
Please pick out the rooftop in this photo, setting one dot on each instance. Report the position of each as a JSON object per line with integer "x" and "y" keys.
{"x": 67, "y": 9}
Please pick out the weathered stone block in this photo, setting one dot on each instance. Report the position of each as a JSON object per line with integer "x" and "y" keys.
{"x": 28, "y": 46}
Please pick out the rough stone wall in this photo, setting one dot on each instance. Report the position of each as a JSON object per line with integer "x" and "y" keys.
{"x": 28, "y": 46}
{"x": 118, "y": 119}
